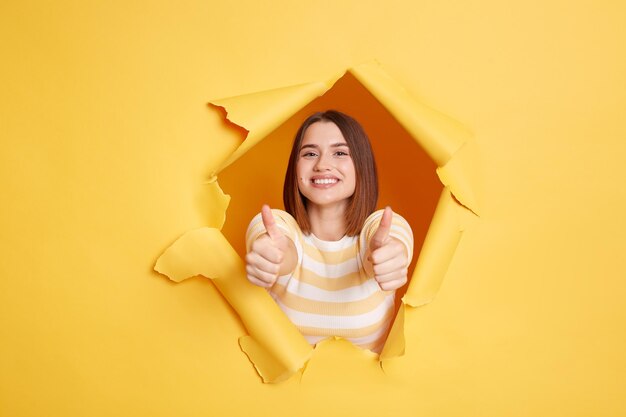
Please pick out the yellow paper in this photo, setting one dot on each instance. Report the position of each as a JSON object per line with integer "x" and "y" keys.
{"x": 460, "y": 174}
{"x": 394, "y": 345}
{"x": 107, "y": 144}
{"x": 437, "y": 253}
{"x": 218, "y": 202}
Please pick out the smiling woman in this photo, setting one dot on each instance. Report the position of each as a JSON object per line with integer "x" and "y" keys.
{"x": 330, "y": 262}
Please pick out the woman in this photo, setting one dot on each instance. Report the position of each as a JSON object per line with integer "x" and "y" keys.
{"x": 330, "y": 263}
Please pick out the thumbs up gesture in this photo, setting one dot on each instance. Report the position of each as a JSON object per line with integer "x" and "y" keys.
{"x": 387, "y": 256}
{"x": 271, "y": 255}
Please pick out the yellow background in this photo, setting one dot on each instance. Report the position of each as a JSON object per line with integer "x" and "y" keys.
{"x": 106, "y": 142}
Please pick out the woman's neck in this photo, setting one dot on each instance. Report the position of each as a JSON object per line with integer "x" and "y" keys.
{"x": 327, "y": 222}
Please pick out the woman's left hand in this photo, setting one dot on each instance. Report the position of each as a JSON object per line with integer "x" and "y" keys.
{"x": 387, "y": 255}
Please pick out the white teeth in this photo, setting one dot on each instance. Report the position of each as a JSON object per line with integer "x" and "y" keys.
{"x": 325, "y": 181}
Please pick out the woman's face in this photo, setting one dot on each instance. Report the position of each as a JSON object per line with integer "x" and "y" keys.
{"x": 326, "y": 174}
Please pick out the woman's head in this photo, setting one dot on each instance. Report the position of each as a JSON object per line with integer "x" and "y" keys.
{"x": 360, "y": 203}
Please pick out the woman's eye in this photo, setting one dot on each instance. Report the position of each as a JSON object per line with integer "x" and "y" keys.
{"x": 309, "y": 154}
{"x": 341, "y": 153}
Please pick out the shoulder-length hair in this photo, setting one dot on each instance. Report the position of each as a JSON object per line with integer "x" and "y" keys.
{"x": 363, "y": 201}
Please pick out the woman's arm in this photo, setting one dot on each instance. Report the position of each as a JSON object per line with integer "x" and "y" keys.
{"x": 271, "y": 255}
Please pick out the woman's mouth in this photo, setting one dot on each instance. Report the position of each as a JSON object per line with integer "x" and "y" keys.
{"x": 324, "y": 181}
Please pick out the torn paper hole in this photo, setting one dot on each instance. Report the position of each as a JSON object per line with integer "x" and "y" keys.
{"x": 278, "y": 351}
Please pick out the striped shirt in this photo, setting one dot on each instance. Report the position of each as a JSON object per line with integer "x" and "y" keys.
{"x": 329, "y": 293}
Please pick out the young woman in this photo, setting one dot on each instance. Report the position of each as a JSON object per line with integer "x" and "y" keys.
{"x": 331, "y": 263}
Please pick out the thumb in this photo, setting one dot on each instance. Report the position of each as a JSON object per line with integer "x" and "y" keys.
{"x": 382, "y": 234}
{"x": 270, "y": 224}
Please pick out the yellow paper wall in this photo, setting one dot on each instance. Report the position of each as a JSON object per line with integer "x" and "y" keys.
{"x": 107, "y": 142}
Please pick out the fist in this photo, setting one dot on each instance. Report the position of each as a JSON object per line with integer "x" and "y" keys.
{"x": 388, "y": 257}
{"x": 267, "y": 254}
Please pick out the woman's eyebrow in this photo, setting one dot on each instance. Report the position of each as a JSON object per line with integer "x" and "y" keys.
{"x": 333, "y": 145}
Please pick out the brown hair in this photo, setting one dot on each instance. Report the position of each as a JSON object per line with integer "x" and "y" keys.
{"x": 363, "y": 201}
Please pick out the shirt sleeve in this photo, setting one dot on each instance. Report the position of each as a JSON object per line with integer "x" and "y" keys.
{"x": 400, "y": 229}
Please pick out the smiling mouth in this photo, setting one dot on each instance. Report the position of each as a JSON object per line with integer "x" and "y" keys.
{"x": 325, "y": 181}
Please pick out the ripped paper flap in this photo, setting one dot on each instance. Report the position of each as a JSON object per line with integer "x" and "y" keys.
{"x": 260, "y": 113}
{"x": 276, "y": 348}
{"x": 439, "y": 246}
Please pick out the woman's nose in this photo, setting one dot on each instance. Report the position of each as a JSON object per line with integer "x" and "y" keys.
{"x": 322, "y": 164}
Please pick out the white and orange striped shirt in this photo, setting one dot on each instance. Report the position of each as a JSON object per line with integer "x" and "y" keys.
{"x": 329, "y": 293}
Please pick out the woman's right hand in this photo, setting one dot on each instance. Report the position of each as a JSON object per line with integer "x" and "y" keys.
{"x": 271, "y": 255}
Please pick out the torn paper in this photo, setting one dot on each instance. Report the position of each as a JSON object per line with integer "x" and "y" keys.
{"x": 274, "y": 345}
